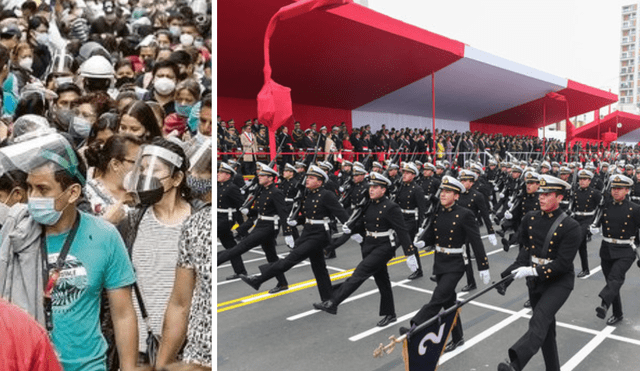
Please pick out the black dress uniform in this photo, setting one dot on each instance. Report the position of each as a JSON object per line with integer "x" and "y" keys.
{"x": 620, "y": 223}
{"x": 356, "y": 193}
{"x": 269, "y": 205}
{"x": 430, "y": 186}
{"x": 554, "y": 281}
{"x": 585, "y": 202}
{"x": 634, "y": 194}
{"x": 318, "y": 205}
{"x": 381, "y": 218}
{"x": 476, "y": 203}
{"x": 528, "y": 202}
{"x": 289, "y": 188}
{"x": 410, "y": 198}
{"x": 451, "y": 227}
{"x": 229, "y": 200}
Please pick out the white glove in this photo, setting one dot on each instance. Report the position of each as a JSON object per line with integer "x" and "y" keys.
{"x": 501, "y": 195}
{"x": 357, "y": 237}
{"x": 244, "y": 211}
{"x": 412, "y": 262}
{"x": 242, "y": 191}
{"x": 508, "y": 215}
{"x": 495, "y": 188}
{"x": 292, "y": 223}
{"x": 418, "y": 244}
{"x": 346, "y": 229}
{"x": 420, "y": 230}
{"x": 289, "y": 241}
{"x": 510, "y": 204}
{"x": 523, "y": 272}
{"x": 493, "y": 239}
{"x": 594, "y": 230}
{"x": 341, "y": 189}
{"x": 485, "y": 276}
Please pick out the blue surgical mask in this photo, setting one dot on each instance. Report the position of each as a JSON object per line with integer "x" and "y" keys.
{"x": 81, "y": 126}
{"x": 183, "y": 110}
{"x": 43, "y": 210}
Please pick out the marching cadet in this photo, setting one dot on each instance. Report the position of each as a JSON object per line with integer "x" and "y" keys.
{"x": 597, "y": 182}
{"x": 555, "y": 169}
{"x": 452, "y": 226}
{"x": 440, "y": 168}
{"x": 564, "y": 174}
{"x": 545, "y": 168}
{"x": 229, "y": 200}
{"x": 629, "y": 170}
{"x": 331, "y": 184}
{"x": 378, "y": 223}
{"x": 476, "y": 203}
{"x": 300, "y": 167}
{"x": 345, "y": 173}
{"x": 620, "y": 223}
{"x": 318, "y": 205}
{"x": 352, "y": 199}
{"x": 430, "y": 183}
{"x": 528, "y": 202}
{"x": 288, "y": 185}
{"x": 410, "y": 198}
{"x": 376, "y": 167}
{"x": 271, "y": 210}
{"x": 585, "y": 203}
{"x": 550, "y": 241}
{"x": 393, "y": 173}
{"x": 237, "y": 177}
{"x": 635, "y": 190}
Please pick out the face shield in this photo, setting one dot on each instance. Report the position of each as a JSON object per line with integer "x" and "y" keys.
{"x": 30, "y": 125}
{"x": 61, "y": 67}
{"x": 40, "y": 148}
{"x": 153, "y": 165}
{"x": 199, "y": 155}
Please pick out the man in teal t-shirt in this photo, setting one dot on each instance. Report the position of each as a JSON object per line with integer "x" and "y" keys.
{"x": 96, "y": 260}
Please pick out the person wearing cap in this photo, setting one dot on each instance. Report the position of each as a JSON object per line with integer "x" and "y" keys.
{"x": 376, "y": 167}
{"x": 249, "y": 147}
{"x": 550, "y": 239}
{"x": 452, "y": 226}
{"x": 229, "y": 201}
{"x": 301, "y": 167}
{"x": 318, "y": 206}
{"x": 545, "y": 168}
{"x": 513, "y": 217}
{"x": 429, "y": 182}
{"x": 345, "y": 171}
{"x": 509, "y": 189}
{"x": 555, "y": 169}
{"x": 272, "y": 211}
{"x": 439, "y": 170}
{"x": 10, "y": 36}
{"x": 564, "y": 174}
{"x": 392, "y": 172}
{"x": 620, "y": 223}
{"x": 597, "y": 182}
{"x": 297, "y": 135}
{"x": 288, "y": 184}
{"x": 331, "y": 184}
{"x": 634, "y": 193}
{"x": 410, "y": 198}
{"x": 476, "y": 203}
{"x": 352, "y": 199}
{"x": 378, "y": 223}
{"x": 629, "y": 170}
{"x": 584, "y": 205}
{"x": 237, "y": 177}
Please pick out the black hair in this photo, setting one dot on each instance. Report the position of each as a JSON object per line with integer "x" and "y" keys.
{"x": 63, "y": 177}
{"x": 183, "y": 188}
{"x": 13, "y": 178}
{"x": 141, "y": 111}
{"x": 166, "y": 64}
{"x": 4, "y": 55}
{"x": 115, "y": 147}
{"x": 108, "y": 120}
{"x": 32, "y": 103}
{"x": 34, "y": 23}
{"x": 29, "y": 5}
{"x": 207, "y": 102}
{"x": 67, "y": 87}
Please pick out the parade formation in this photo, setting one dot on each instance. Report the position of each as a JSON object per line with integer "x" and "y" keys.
{"x": 544, "y": 212}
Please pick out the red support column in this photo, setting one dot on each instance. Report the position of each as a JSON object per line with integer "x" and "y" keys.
{"x": 433, "y": 114}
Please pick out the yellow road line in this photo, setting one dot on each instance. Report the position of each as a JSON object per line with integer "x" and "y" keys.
{"x": 255, "y": 298}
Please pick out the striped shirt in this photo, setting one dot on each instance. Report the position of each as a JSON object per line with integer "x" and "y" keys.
{"x": 155, "y": 255}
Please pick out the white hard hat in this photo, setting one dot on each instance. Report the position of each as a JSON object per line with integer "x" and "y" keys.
{"x": 97, "y": 67}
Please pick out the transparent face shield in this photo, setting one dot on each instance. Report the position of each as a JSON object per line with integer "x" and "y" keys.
{"x": 199, "y": 156}
{"x": 30, "y": 125}
{"x": 153, "y": 166}
{"x": 61, "y": 67}
{"x": 39, "y": 149}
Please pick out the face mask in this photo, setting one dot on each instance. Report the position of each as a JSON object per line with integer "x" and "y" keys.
{"x": 199, "y": 187}
{"x": 43, "y": 211}
{"x": 123, "y": 2}
{"x": 64, "y": 80}
{"x": 26, "y": 63}
{"x": 200, "y": 69}
{"x": 124, "y": 80}
{"x": 42, "y": 38}
{"x": 148, "y": 64}
{"x": 201, "y": 138}
{"x": 175, "y": 31}
{"x": 183, "y": 110}
{"x": 148, "y": 197}
{"x": 198, "y": 43}
{"x": 164, "y": 85}
{"x": 81, "y": 126}
{"x": 186, "y": 39}
{"x": 164, "y": 46}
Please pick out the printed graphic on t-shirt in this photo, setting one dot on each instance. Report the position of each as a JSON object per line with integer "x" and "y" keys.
{"x": 71, "y": 284}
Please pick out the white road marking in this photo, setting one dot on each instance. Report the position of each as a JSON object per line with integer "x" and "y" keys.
{"x": 592, "y": 272}
{"x": 587, "y": 349}
{"x": 485, "y": 334}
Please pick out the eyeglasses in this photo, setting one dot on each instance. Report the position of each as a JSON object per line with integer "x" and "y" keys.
{"x": 127, "y": 160}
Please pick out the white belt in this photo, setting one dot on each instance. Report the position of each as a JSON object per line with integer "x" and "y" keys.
{"x": 618, "y": 242}
{"x": 564, "y": 202}
{"x": 324, "y": 221}
{"x": 585, "y": 213}
{"x": 447, "y": 250}
{"x": 635, "y": 197}
{"x": 288, "y": 199}
{"x": 388, "y": 233}
{"x": 411, "y": 211}
{"x": 273, "y": 218}
{"x": 228, "y": 212}
{"x": 540, "y": 261}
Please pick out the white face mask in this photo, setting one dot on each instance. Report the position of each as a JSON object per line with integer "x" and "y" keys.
{"x": 164, "y": 85}
{"x": 186, "y": 39}
{"x": 175, "y": 30}
{"x": 26, "y": 63}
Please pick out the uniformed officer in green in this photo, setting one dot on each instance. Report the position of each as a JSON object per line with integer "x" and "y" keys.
{"x": 620, "y": 223}
{"x": 550, "y": 239}
{"x": 585, "y": 203}
{"x": 452, "y": 226}
{"x": 380, "y": 225}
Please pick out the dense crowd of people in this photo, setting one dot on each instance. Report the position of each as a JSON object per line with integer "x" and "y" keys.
{"x": 106, "y": 184}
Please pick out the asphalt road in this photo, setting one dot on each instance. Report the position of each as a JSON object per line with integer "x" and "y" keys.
{"x": 259, "y": 331}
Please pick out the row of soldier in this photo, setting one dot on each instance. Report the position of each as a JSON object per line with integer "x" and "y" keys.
{"x": 420, "y": 205}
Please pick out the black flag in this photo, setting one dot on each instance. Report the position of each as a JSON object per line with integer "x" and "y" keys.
{"x": 422, "y": 350}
